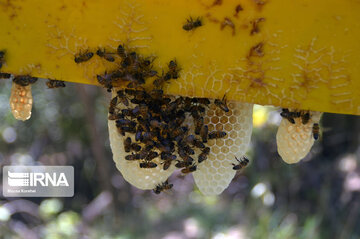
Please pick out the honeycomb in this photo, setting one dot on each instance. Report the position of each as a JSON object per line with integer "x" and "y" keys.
{"x": 142, "y": 178}
{"x": 294, "y": 141}
{"x": 214, "y": 174}
{"x": 21, "y": 101}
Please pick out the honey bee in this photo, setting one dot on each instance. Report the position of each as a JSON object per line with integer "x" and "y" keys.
{"x": 126, "y": 129}
{"x": 138, "y": 135}
{"x": 127, "y": 144}
{"x": 190, "y": 139}
{"x": 160, "y": 80}
{"x": 141, "y": 110}
{"x": 135, "y": 147}
{"x": 204, "y": 101}
{"x": 187, "y": 158}
{"x": 173, "y": 70}
{"x": 112, "y": 106}
{"x": 203, "y": 156}
{"x": 55, "y": 84}
{"x": 199, "y": 123}
{"x": 2, "y": 58}
{"x": 125, "y": 122}
{"x": 151, "y": 156}
{"x": 5, "y": 75}
{"x": 132, "y": 157}
{"x": 217, "y": 134}
{"x": 195, "y": 142}
{"x": 107, "y": 56}
{"x": 162, "y": 187}
{"x": 143, "y": 153}
{"x": 148, "y": 165}
{"x": 127, "y": 112}
{"x": 195, "y": 111}
{"x": 191, "y": 24}
{"x": 167, "y": 164}
{"x": 122, "y": 97}
{"x": 167, "y": 156}
{"x": 24, "y": 80}
{"x": 117, "y": 74}
{"x": 179, "y": 131}
{"x": 242, "y": 163}
{"x": 183, "y": 164}
{"x": 105, "y": 80}
{"x": 305, "y": 117}
{"x": 290, "y": 115}
{"x": 82, "y": 57}
{"x": 190, "y": 169}
{"x": 204, "y": 133}
{"x": 184, "y": 149}
{"x": 150, "y": 73}
{"x": 222, "y": 104}
{"x": 121, "y": 51}
{"x": 315, "y": 131}
{"x": 114, "y": 116}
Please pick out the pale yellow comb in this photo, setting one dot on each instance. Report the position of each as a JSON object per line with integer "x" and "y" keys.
{"x": 21, "y": 101}
{"x": 294, "y": 141}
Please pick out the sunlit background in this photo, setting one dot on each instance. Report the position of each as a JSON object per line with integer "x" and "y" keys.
{"x": 316, "y": 198}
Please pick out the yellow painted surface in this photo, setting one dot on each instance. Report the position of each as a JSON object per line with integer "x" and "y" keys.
{"x": 310, "y": 57}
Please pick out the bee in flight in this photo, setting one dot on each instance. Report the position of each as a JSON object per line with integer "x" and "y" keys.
{"x": 162, "y": 187}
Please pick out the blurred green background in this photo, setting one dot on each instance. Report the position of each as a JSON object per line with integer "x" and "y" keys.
{"x": 316, "y": 198}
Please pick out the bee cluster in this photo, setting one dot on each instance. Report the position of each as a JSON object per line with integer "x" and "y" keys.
{"x": 154, "y": 125}
{"x": 159, "y": 129}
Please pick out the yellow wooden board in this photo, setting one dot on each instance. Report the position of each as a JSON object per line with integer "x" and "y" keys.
{"x": 297, "y": 54}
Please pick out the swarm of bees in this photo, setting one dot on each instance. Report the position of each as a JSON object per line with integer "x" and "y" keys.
{"x": 153, "y": 124}
{"x": 305, "y": 118}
